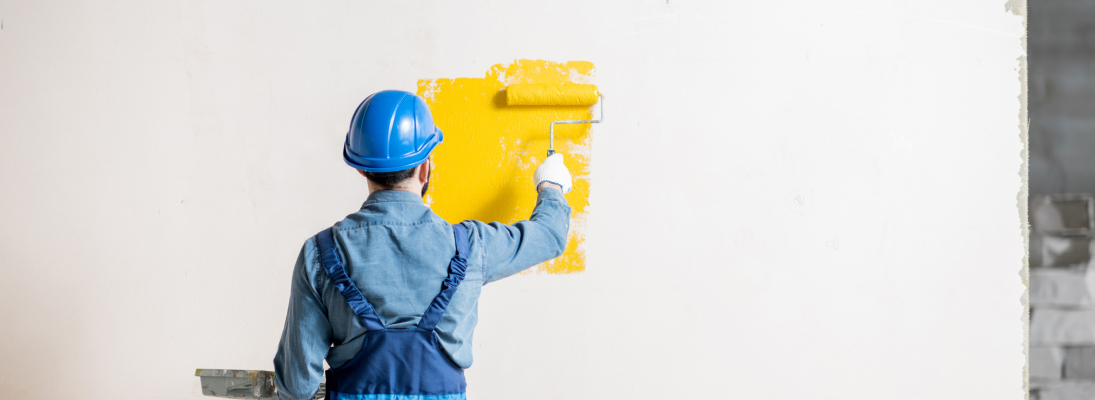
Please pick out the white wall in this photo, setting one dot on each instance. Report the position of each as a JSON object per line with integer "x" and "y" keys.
{"x": 794, "y": 199}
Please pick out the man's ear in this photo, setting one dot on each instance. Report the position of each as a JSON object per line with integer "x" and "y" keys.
{"x": 424, "y": 171}
{"x": 362, "y": 173}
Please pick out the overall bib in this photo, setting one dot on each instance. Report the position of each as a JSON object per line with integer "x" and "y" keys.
{"x": 396, "y": 364}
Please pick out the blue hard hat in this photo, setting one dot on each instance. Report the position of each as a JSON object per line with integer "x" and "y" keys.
{"x": 391, "y": 131}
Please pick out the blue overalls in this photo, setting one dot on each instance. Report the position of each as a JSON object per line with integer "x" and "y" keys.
{"x": 396, "y": 364}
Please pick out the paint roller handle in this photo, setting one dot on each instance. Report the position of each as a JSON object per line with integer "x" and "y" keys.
{"x": 553, "y": 170}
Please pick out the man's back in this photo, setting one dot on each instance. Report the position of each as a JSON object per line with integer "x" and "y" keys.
{"x": 397, "y": 251}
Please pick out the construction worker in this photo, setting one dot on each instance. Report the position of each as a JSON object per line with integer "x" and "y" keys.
{"x": 388, "y": 296}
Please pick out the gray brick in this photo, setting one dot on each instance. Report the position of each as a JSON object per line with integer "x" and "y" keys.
{"x": 1046, "y": 363}
{"x": 1064, "y": 214}
{"x": 1060, "y": 287}
{"x": 1068, "y": 390}
{"x": 1060, "y": 251}
{"x": 1050, "y": 327}
{"x": 1080, "y": 363}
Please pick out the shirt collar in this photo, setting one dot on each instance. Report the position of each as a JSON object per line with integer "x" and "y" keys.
{"x": 389, "y": 196}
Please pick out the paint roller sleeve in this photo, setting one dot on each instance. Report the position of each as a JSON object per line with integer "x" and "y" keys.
{"x": 574, "y": 94}
{"x": 553, "y": 170}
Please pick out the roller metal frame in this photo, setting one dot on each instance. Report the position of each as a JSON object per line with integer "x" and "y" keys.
{"x": 551, "y": 140}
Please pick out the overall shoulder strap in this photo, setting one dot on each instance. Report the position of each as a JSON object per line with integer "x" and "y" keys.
{"x": 328, "y": 256}
{"x": 457, "y": 266}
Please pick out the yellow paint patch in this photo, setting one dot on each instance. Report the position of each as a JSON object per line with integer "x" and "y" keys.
{"x": 485, "y": 165}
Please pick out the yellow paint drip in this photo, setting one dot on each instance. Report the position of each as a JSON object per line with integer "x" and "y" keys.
{"x": 485, "y": 165}
{"x": 551, "y": 95}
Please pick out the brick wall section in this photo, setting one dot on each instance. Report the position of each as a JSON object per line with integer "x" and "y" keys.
{"x": 1061, "y": 56}
{"x": 1062, "y": 297}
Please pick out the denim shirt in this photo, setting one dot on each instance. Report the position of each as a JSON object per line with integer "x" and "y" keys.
{"x": 397, "y": 251}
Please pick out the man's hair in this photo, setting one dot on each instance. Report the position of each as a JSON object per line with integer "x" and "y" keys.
{"x": 390, "y": 180}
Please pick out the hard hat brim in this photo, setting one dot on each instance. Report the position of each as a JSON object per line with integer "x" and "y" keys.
{"x": 406, "y": 161}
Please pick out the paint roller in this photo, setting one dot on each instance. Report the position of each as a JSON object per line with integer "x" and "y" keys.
{"x": 574, "y": 94}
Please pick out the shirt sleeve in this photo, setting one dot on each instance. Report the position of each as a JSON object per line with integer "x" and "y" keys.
{"x": 509, "y": 249}
{"x": 306, "y": 337}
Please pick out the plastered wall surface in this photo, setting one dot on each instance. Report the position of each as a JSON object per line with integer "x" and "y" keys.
{"x": 786, "y": 200}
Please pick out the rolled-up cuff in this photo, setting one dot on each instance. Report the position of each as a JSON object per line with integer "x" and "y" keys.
{"x": 550, "y": 194}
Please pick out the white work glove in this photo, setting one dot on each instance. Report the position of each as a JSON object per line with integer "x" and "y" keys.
{"x": 552, "y": 170}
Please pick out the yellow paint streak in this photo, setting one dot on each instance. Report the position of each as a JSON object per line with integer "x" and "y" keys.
{"x": 485, "y": 165}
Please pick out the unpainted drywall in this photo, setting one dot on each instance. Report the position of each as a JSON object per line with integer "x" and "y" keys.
{"x": 787, "y": 200}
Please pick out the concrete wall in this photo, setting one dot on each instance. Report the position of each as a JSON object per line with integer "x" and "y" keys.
{"x": 1062, "y": 96}
{"x": 789, "y": 200}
